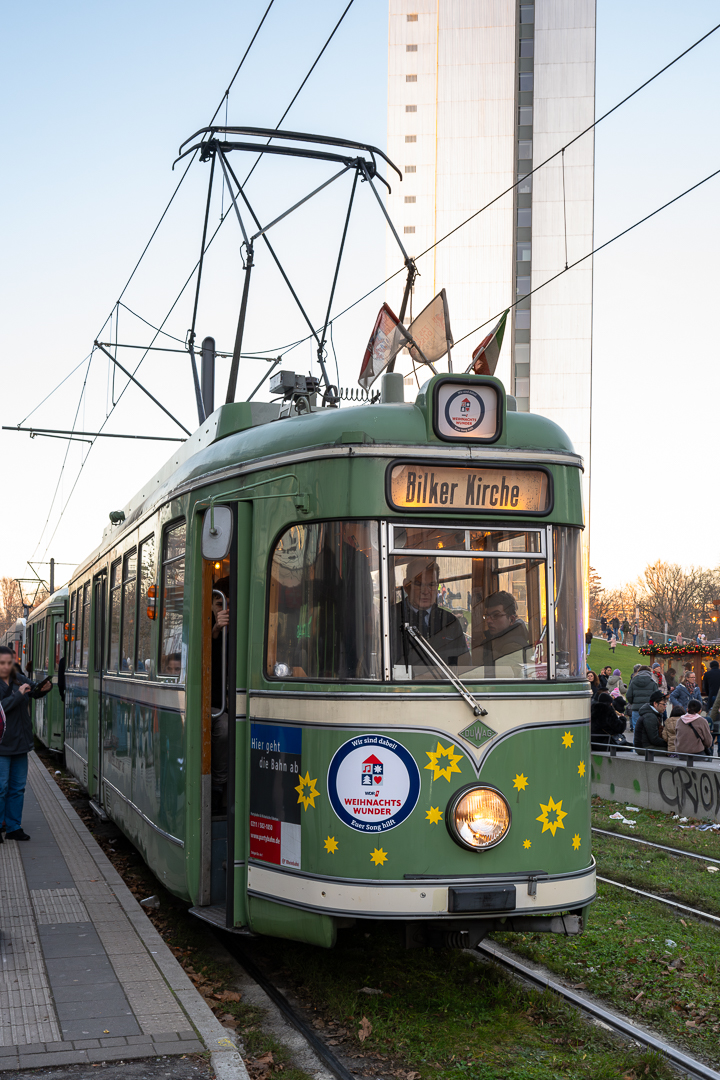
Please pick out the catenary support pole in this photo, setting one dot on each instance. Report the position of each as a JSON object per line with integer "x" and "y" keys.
{"x": 207, "y": 370}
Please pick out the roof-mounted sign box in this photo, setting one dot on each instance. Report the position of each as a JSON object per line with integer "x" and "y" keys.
{"x": 467, "y": 408}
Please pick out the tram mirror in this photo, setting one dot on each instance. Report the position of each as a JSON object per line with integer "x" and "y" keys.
{"x": 216, "y": 532}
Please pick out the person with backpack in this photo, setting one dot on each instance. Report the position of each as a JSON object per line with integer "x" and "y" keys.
{"x": 15, "y": 694}
{"x": 693, "y": 734}
{"x": 648, "y": 730}
{"x": 642, "y": 686}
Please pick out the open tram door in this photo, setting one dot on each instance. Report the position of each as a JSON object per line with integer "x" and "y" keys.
{"x": 225, "y": 547}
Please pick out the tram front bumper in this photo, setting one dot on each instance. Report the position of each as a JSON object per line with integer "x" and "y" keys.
{"x": 514, "y": 897}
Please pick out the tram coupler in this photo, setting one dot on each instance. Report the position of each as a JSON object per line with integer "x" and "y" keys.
{"x": 468, "y": 935}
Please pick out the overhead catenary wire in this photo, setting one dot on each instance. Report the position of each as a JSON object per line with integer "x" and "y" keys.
{"x": 187, "y": 282}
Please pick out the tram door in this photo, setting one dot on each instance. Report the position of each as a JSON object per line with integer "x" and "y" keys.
{"x": 100, "y": 601}
{"x": 223, "y": 608}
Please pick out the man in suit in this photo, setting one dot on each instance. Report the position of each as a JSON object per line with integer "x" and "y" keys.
{"x": 419, "y": 608}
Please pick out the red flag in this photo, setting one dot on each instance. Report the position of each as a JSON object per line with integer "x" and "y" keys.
{"x": 386, "y": 341}
{"x": 485, "y": 357}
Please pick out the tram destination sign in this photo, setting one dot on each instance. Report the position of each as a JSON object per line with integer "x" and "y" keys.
{"x": 491, "y": 489}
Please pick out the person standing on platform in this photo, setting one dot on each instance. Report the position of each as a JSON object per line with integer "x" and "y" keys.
{"x": 711, "y": 683}
{"x": 15, "y": 694}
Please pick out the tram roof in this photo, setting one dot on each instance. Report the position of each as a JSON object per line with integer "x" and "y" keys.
{"x": 244, "y": 432}
{"x": 57, "y": 598}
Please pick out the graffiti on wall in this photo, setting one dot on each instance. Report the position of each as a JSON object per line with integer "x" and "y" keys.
{"x": 683, "y": 789}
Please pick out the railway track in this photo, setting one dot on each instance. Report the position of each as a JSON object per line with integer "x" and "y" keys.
{"x": 660, "y": 847}
{"x": 696, "y": 912}
{"x": 691, "y": 1065}
{"x": 503, "y": 957}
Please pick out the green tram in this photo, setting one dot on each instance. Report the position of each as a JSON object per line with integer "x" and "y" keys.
{"x": 401, "y": 678}
{"x": 45, "y": 650}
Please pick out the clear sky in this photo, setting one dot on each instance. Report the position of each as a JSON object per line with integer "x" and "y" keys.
{"x": 98, "y": 98}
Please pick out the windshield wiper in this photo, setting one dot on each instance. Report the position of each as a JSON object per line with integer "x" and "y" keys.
{"x": 449, "y": 674}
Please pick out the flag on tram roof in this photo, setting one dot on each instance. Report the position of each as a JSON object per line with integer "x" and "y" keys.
{"x": 386, "y": 341}
{"x": 485, "y": 357}
{"x": 431, "y": 331}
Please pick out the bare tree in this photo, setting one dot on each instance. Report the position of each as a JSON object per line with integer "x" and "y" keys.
{"x": 668, "y": 593}
{"x": 11, "y": 603}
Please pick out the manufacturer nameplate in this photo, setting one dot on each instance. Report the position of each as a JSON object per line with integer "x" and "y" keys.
{"x": 495, "y": 490}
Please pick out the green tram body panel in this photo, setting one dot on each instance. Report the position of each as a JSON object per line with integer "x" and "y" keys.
{"x": 45, "y": 648}
{"x": 135, "y": 741}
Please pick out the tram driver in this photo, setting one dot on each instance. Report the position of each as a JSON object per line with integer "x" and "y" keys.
{"x": 506, "y": 635}
{"x": 419, "y": 608}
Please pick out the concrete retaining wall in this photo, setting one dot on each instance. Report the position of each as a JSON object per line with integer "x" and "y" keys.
{"x": 658, "y": 785}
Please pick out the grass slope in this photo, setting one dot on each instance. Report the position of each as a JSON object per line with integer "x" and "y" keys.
{"x": 625, "y": 657}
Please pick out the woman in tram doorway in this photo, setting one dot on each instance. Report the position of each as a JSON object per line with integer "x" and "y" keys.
{"x": 15, "y": 692}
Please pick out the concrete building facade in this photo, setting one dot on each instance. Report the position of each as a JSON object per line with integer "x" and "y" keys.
{"x": 480, "y": 91}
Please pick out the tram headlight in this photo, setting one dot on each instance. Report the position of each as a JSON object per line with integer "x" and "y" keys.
{"x": 478, "y": 817}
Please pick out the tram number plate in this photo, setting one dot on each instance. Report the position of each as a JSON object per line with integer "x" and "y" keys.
{"x": 482, "y": 898}
{"x": 417, "y": 486}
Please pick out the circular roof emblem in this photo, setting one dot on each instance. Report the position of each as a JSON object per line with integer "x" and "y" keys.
{"x": 373, "y": 783}
{"x": 464, "y": 410}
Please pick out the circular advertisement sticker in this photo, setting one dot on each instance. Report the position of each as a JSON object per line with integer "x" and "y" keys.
{"x": 373, "y": 783}
{"x": 464, "y": 410}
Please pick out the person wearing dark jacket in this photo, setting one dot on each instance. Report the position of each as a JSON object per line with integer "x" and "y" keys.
{"x": 604, "y": 722}
{"x": 686, "y": 691}
{"x": 15, "y": 692}
{"x": 642, "y": 686}
{"x": 711, "y": 683}
{"x": 648, "y": 730}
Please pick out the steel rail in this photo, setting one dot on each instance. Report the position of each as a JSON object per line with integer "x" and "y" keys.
{"x": 625, "y": 1027}
{"x": 318, "y": 1046}
{"x": 660, "y": 847}
{"x": 661, "y": 900}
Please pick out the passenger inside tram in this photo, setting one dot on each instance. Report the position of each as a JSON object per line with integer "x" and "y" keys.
{"x": 506, "y": 636}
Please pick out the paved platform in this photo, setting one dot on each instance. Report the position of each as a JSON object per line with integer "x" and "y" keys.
{"x": 85, "y": 976}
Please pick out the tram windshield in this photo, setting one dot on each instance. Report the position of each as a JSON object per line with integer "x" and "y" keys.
{"x": 479, "y": 597}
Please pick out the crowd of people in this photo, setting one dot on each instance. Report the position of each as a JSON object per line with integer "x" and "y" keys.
{"x": 659, "y": 710}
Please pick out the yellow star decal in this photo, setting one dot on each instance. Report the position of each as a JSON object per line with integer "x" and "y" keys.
{"x": 520, "y": 782}
{"x": 378, "y": 856}
{"x": 307, "y": 798}
{"x": 552, "y": 808}
{"x": 567, "y": 740}
{"x": 331, "y": 845}
{"x": 576, "y": 842}
{"x": 527, "y": 844}
{"x": 450, "y": 757}
{"x": 434, "y": 814}
{"x": 581, "y": 768}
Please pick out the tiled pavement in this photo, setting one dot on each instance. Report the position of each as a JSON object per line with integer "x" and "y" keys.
{"x": 85, "y": 976}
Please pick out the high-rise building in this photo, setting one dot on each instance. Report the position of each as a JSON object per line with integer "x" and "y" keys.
{"x": 480, "y": 91}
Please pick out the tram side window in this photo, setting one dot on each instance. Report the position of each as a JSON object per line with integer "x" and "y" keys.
{"x": 173, "y": 588}
{"x": 73, "y": 623}
{"x": 46, "y": 643}
{"x": 85, "y": 627}
{"x": 115, "y": 599}
{"x": 146, "y": 606}
{"x": 324, "y": 611}
{"x": 569, "y": 630}
{"x": 39, "y": 644}
{"x": 128, "y": 611}
{"x": 59, "y": 643}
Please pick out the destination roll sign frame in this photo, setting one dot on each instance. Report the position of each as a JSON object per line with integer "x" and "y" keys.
{"x": 466, "y": 489}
